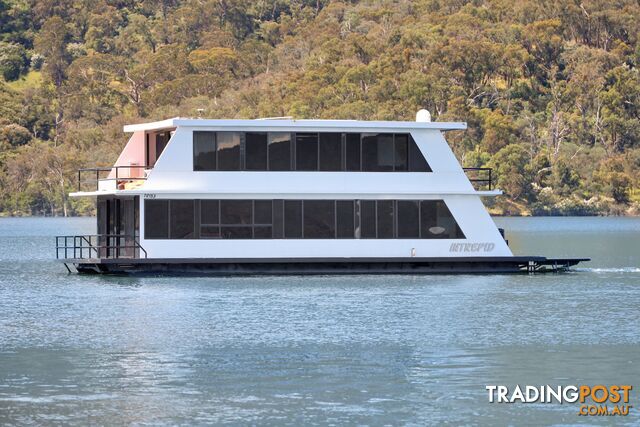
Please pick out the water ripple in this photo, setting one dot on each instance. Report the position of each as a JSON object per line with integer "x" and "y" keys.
{"x": 413, "y": 350}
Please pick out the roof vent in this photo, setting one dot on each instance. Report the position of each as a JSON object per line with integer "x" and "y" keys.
{"x": 423, "y": 116}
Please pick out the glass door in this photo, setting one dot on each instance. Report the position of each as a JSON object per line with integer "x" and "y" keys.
{"x": 118, "y": 227}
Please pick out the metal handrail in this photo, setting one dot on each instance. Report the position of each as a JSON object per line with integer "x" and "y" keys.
{"x": 487, "y": 180}
{"x": 78, "y": 244}
{"x": 97, "y": 171}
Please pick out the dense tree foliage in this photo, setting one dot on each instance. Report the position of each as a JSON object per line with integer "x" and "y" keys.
{"x": 550, "y": 89}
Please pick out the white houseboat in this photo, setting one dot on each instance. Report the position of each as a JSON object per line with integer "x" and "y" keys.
{"x": 283, "y": 196}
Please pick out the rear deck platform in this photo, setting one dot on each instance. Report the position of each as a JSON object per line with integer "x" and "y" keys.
{"x": 277, "y": 266}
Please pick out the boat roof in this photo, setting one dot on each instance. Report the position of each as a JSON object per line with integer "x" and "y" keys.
{"x": 291, "y": 123}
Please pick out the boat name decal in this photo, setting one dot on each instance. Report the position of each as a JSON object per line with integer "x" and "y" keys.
{"x": 471, "y": 247}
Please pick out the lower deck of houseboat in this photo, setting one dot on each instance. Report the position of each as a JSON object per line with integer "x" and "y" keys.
{"x": 324, "y": 266}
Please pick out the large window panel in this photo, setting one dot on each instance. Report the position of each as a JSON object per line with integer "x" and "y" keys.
{"x": 279, "y": 151}
{"x": 204, "y": 151}
{"x": 437, "y": 222}
{"x": 352, "y": 152}
{"x": 292, "y": 219}
{"x": 408, "y": 221}
{"x": 235, "y": 212}
{"x": 278, "y": 219}
{"x": 262, "y": 219}
{"x": 209, "y": 212}
{"x": 385, "y": 152}
{"x": 256, "y": 151}
{"x": 370, "y": 152}
{"x": 345, "y": 219}
{"x": 307, "y": 151}
{"x": 417, "y": 162}
{"x": 182, "y": 219}
{"x": 385, "y": 219}
{"x": 319, "y": 219}
{"x": 156, "y": 219}
{"x": 377, "y": 152}
{"x": 262, "y": 212}
{"x": 228, "y": 151}
{"x": 401, "y": 152}
{"x": 330, "y": 151}
{"x": 367, "y": 219}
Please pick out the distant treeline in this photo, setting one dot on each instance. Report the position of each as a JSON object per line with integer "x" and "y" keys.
{"x": 550, "y": 89}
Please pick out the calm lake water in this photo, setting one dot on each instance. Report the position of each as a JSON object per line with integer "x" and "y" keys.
{"x": 395, "y": 350}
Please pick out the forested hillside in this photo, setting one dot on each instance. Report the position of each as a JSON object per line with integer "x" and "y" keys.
{"x": 550, "y": 89}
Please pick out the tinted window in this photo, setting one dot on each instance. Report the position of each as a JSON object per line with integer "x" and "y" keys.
{"x": 156, "y": 219}
{"x": 319, "y": 219}
{"x": 385, "y": 219}
{"x": 417, "y": 162}
{"x": 204, "y": 151}
{"x": 278, "y": 219}
{"x": 181, "y": 219}
{"x": 262, "y": 232}
{"x": 228, "y": 151}
{"x": 236, "y": 232}
{"x": 209, "y": 212}
{"x": 292, "y": 219}
{"x": 262, "y": 212}
{"x": 377, "y": 152}
{"x": 210, "y": 232}
{"x": 352, "y": 151}
{"x": 256, "y": 151}
{"x": 368, "y": 219}
{"x": 330, "y": 151}
{"x": 408, "y": 219}
{"x": 369, "y": 152}
{"x": 436, "y": 221}
{"x": 235, "y": 212}
{"x": 307, "y": 151}
{"x": 313, "y": 151}
{"x": 401, "y": 152}
{"x": 345, "y": 224}
{"x": 279, "y": 151}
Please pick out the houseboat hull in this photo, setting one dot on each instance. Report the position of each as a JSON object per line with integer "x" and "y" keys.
{"x": 324, "y": 266}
